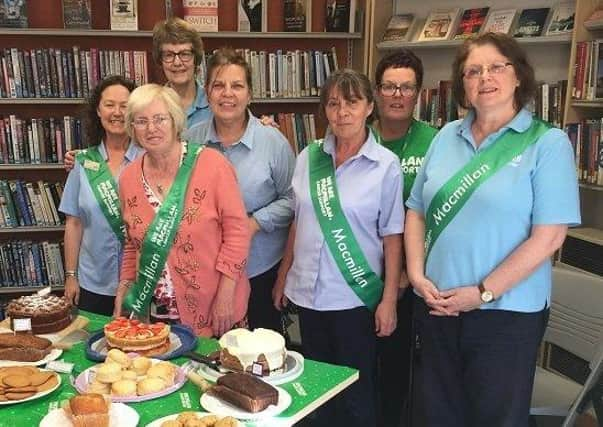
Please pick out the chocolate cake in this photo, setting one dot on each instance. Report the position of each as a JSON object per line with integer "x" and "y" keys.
{"x": 48, "y": 313}
{"x": 245, "y": 391}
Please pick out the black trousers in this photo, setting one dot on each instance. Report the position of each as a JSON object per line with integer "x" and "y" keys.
{"x": 477, "y": 369}
{"x": 344, "y": 337}
{"x": 96, "y": 303}
{"x": 393, "y": 367}
{"x": 260, "y": 311}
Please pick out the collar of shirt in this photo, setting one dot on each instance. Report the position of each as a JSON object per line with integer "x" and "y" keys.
{"x": 247, "y": 138}
{"x": 520, "y": 123}
{"x": 200, "y": 102}
{"x": 369, "y": 149}
{"x": 130, "y": 155}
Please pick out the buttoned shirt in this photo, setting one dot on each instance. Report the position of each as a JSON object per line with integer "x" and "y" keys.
{"x": 370, "y": 192}
{"x": 264, "y": 164}
{"x": 100, "y": 251}
{"x": 536, "y": 187}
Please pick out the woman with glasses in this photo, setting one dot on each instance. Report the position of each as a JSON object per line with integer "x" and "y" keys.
{"x": 187, "y": 232}
{"x": 264, "y": 163}
{"x": 489, "y": 207}
{"x": 398, "y": 80}
{"x": 93, "y": 233}
{"x": 342, "y": 262}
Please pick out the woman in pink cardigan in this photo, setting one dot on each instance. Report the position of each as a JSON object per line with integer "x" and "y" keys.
{"x": 187, "y": 234}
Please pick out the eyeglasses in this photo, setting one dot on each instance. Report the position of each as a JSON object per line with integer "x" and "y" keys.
{"x": 390, "y": 89}
{"x": 142, "y": 123}
{"x": 168, "y": 56}
{"x": 474, "y": 71}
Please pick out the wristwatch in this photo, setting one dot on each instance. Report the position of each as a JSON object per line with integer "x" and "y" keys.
{"x": 485, "y": 295}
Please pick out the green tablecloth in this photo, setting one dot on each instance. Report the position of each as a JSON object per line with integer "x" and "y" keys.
{"x": 318, "y": 383}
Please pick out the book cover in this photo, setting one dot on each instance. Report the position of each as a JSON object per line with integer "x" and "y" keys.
{"x": 440, "y": 24}
{"x": 531, "y": 22}
{"x": 77, "y": 14}
{"x": 124, "y": 15}
{"x": 340, "y": 16}
{"x": 13, "y": 13}
{"x": 399, "y": 28}
{"x": 471, "y": 23}
{"x": 500, "y": 21}
{"x": 297, "y": 15}
{"x": 201, "y": 14}
{"x": 562, "y": 21}
{"x": 253, "y": 16}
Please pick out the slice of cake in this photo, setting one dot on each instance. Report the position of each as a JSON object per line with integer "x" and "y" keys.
{"x": 245, "y": 391}
{"x": 48, "y": 313}
{"x": 241, "y": 349}
{"x": 130, "y": 335}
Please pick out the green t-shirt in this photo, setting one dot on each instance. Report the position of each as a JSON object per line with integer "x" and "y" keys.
{"x": 410, "y": 149}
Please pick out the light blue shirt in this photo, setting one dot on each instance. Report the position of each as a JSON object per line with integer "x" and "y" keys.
{"x": 264, "y": 163}
{"x": 199, "y": 110}
{"x": 370, "y": 192}
{"x": 537, "y": 187}
{"x": 100, "y": 252}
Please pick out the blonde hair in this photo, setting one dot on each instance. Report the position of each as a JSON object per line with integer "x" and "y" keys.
{"x": 143, "y": 96}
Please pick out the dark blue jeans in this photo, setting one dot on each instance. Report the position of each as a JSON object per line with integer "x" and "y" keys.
{"x": 477, "y": 369}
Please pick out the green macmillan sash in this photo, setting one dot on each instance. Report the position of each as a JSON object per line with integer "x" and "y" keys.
{"x": 452, "y": 196}
{"x": 104, "y": 189}
{"x": 337, "y": 231}
{"x": 159, "y": 238}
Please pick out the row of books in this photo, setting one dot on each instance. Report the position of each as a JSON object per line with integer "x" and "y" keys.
{"x": 456, "y": 24}
{"x": 587, "y": 140}
{"x": 588, "y": 70}
{"x": 27, "y": 263}
{"x": 30, "y": 204}
{"x": 286, "y": 74}
{"x": 38, "y": 140}
{"x": 298, "y": 128}
{"x": 65, "y": 73}
{"x": 437, "y": 107}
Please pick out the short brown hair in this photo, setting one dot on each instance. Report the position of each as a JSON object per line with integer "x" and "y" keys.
{"x": 227, "y": 56}
{"x": 508, "y": 47}
{"x": 177, "y": 31}
{"x": 350, "y": 83}
{"x": 401, "y": 58}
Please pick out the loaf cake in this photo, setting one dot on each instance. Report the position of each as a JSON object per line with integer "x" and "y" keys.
{"x": 88, "y": 410}
{"x": 131, "y": 335}
{"x": 241, "y": 349}
{"x": 48, "y": 314}
{"x": 245, "y": 391}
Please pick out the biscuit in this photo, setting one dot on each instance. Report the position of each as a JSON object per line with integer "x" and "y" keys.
{"x": 209, "y": 419}
{"x": 26, "y": 389}
{"x": 40, "y": 378}
{"x": 227, "y": 422}
{"x": 171, "y": 423}
{"x": 195, "y": 423}
{"x": 19, "y": 396}
{"x": 16, "y": 381}
{"x": 50, "y": 383}
{"x": 185, "y": 416}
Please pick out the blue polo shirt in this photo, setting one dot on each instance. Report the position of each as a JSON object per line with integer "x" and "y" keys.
{"x": 100, "y": 252}
{"x": 370, "y": 191}
{"x": 264, "y": 163}
{"x": 537, "y": 187}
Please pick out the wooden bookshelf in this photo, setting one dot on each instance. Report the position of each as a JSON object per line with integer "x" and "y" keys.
{"x": 448, "y": 44}
{"x": 32, "y": 229}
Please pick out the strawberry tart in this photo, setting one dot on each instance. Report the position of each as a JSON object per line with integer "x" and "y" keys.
{"x": 131, "y": 335}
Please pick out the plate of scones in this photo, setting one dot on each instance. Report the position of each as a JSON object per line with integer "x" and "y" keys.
{"x": 23, "y": 383}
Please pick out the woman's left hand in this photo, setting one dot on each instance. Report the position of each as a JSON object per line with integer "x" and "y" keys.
{"x": 269, "y": 121}
{"x": 458, "y": 300}
{"x": 222, "y": 312}
{"x": 385, "y": 318}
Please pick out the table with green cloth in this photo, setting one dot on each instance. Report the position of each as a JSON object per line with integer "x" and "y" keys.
{"x": 317, "y": 384}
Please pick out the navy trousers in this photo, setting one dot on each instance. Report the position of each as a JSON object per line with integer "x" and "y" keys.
{"x": 261, "y": 312}
{"x": 343, "y": 337}
{"x": 96, "y": 303}
{"x": 477, "y": 369}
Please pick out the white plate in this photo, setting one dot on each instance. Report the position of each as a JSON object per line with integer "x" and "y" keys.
{"x": 157, "y": 423}
{"x": 219, "y": 407}
{"x": 37, "y": 395}
{"x": 120, "y": 415}
{"x": 294, "y": 367}
{"x": 54, "y": 354}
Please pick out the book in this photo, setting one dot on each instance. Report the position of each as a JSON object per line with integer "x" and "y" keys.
{"x": 77, "y": 14}
{"x": 500, "y": 21}
{"x": 297, "y": 15}
{"x": 253, "y": 16}
{"x": 471, "y": 23}
{"x": 340, "y": 16}
{"x": 124, "y": 15}
{"x": 201, "y": 14}
{"x": 598, "y": 74}
{"x": 440, "y": 24}
{"x": 531, "y": 22}
{"x": 399, "y": 28}
{"x": 562, "y": 20}
{"x": 13, "y": 13}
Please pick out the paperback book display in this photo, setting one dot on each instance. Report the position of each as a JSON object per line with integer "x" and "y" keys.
{"x": 562, "y": 21}
{"x": 13, "y": 13}
{"x": 400, "y": 28}
{"x": 124, "y": 15}
{"x": 28, "y": 263}
{"x": 500, "y": 21}
{"x": 201, "y": 14}
{"x": 30, "y": 204}
{"x": 77, "y": 14}
{"x": 531, "y": 22}
{"x": 440, "y": 24}
{"x": 297, "y": 16}
{"x": 253, "y": 16}
{"x": 471, "y": 23}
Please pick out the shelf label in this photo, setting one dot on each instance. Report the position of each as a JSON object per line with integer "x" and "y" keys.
{"x": 22, "y": 325}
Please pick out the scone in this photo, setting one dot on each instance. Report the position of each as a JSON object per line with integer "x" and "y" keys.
{"x": 129, "y": 375}
{"x": 141, "y": 365}
{"x": 150, "y": 385}
{"x": 108, "y": 372}
{"x": 164, "y": 370}
{"x": 123, "y": 388}
{"x": 119, "y": 357}
{"x": 227, "y": 422}
{"x": 185, "y": 416}
{"x": 99, "y": 387}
